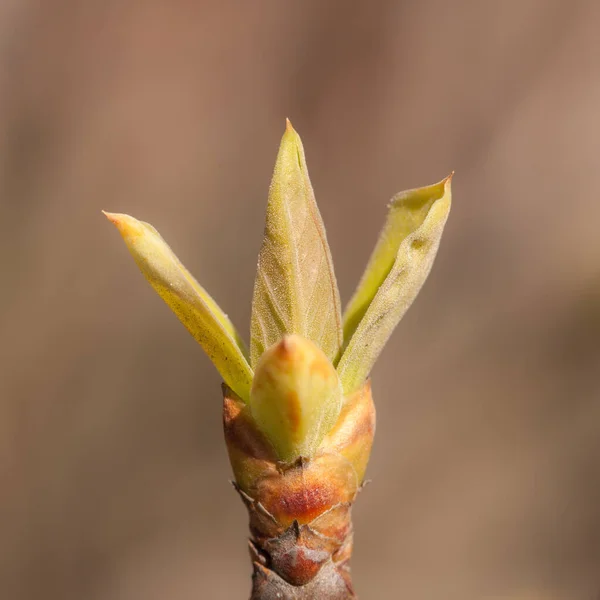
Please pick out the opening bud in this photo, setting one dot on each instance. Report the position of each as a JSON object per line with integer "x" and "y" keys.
{"x": 296, "y": 397}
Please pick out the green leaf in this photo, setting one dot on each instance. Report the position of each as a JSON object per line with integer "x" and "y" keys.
{"x": 394, "y": 275}
{"x": 296, "y": 397}
{"x": 295, "y": 289}
{"x": 193, "y": 306}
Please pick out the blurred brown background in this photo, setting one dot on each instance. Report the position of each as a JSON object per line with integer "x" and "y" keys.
{"x": 486, "y": 469}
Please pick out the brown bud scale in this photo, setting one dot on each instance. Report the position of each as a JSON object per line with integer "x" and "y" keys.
{"x": 300, "y": 514}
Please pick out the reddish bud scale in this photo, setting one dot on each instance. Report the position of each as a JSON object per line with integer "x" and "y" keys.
{"x": 300, "y": 514}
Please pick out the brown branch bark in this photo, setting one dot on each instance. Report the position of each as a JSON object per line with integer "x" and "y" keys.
{"x": 301, "y": 564}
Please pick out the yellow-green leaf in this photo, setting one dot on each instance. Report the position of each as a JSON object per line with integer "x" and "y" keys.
{"x": 296, "y": 397}
{"x": 200, "y": 314}
{"x": 394, "y": 275}
{"x": 295, "y": 289}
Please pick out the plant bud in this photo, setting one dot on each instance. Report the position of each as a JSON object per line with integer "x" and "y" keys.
{"x": 296, "y": 397}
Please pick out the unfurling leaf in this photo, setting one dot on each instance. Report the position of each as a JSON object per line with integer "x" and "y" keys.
{"x": 295, "y": 289}
{"x": 396, "y": 271}
{"x": 199, "y": 313}
{"x": 296, "y": 397}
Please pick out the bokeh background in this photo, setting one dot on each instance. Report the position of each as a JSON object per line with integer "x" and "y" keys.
{"x": 486, "y": 468}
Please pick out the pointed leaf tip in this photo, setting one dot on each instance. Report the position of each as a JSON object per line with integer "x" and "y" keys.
{"x": 112, "y": 217}
{"x": 126, "y": 224}
{"x": 396, "y": 271}
{"x": 194, "y": 307}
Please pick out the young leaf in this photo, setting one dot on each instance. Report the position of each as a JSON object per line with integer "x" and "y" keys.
{"x": 296, "y": 397}
{"x": 396, "y": 271}
{"x": 199, "y": 313}
{"x": 295, "y": 289}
